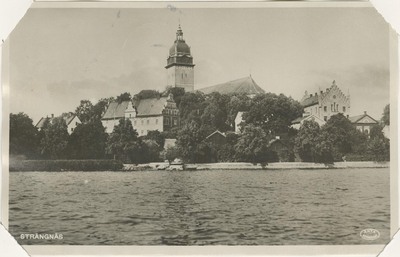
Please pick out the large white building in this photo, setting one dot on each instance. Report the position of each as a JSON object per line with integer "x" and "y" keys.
{"x": 146, "y": 115}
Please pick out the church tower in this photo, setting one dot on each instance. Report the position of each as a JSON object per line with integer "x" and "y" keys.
{"x": 180, "y": 67}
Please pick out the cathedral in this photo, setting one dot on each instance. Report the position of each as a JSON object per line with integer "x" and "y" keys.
{"x": 180, "y": 67}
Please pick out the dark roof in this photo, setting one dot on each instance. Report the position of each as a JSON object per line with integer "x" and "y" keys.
{"x": 244, "y": 85}
{"x": 298, "y": 120}
{"x": 116, "y": 110}
{"x": 41, "y": 122}
{"x": 357, "y": 118}
{"x": 309, "y": 101}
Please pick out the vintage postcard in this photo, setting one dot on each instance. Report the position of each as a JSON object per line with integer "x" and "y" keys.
{"x": 252, "y": 128}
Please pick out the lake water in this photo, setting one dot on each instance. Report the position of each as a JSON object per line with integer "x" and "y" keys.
{"x": 225, "y": 207}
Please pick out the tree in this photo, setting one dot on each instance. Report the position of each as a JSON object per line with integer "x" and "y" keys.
{"x": 88, "y": 141}
{"x": 386, "y": 115}
{"x": 342, "y": 134}
{"x": 379, "y": 149}
{"x": 123, "y": 142}
{"x": 191, "y": 106}
{"x": 252, "y": 145}
{"x": 191, "y": 145}
{"x": 306, "y": 141}
{"x": 237, "y": 103}
{"x": 177, "y": 92}
{"x": 124, "y": 97}
{"x": 84, "y": 111}
{"x": 23, "y": 135}
{"x": 147, "y": 93}
{"x": 215, "y": 113}
{"x": 157, "y": 137}
{"x": 55, "y": 139}
{"x": 273, "y": 113}
{"x": 171, "y": 154}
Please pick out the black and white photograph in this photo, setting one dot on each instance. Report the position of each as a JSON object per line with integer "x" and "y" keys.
{"x": 200, "y": 125}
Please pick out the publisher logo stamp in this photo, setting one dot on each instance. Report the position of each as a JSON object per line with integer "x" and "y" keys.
{"x": 370, "y": 234}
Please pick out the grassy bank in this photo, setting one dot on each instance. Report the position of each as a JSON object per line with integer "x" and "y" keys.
{"x": 65, "y": 165}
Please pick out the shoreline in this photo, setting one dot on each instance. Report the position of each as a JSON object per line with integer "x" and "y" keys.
{"x": 157, "y": 166}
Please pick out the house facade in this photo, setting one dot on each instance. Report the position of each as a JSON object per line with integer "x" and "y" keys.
{"x": 146, "y": 115}
{"x": 70, "y": 119}
{"x": 363, "y": 122}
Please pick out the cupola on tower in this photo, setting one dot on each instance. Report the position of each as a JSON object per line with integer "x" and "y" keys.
{"x": 180, "y": 67}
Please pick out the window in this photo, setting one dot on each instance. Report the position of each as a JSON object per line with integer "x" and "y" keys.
{"x": 130, "y": 115}
{"x": 156, "y": 121}
{"x": 325, "y": 118}
{"x": 148, "y": 122}
{"x": 325, "y": 108}
{"x": 344, "y": 108}
{"x": 134, "y": 122}
{"x": 175, "y": 122}
{"x": 72, "y": 129}
{"x": 142, "y": 123}
{"x": 166, "y": 121}
{"x": 141, "y": 132}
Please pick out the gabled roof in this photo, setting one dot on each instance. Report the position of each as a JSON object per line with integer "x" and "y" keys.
{"x": 358, "y": 118}
{"x": 217, "y": 132}
{"x": 116, "y": 110}
{"x": 151, "y": 106}
{"x": 68, "y": 117}
{"x": 309, "y": 101}
{"x": 308, "y": 117}
{"x": 243, "y": 85}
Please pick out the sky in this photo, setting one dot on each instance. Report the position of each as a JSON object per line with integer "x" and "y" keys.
{"x": 61, "y": 56}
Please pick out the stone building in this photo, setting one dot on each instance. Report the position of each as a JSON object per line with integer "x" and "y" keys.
{"x": 146, "y": 115}
{"x": 180, "y": 67}
{"x": 325, "y": 104}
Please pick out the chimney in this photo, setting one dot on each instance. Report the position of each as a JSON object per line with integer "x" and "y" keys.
{"x": 310, "y": 95}
{"x": 316, "y": 94}
{"x": 52, "y": 115}
{"x": 322, "y": 92}
{"x": 365, "y": 112}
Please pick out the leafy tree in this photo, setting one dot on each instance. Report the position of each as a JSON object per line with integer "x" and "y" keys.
{"x": 152, "y": 151}
{"x": 306, "y": 141}
{"x": 191, "y": 106}
{"x": 191, "y": 145}
{"x": 124, "y": 97}
{"x": 147, "y": 93}
{"x": 342, "y": 134}
{"x": 84, "y": 111}
{"x": 252, "y": 145}
{"x": 379, "y": 149}
{"x": 177, "y": 92}
{"x": 215, "y": 113}
{"x": 171, "y": 154}
{"x": 237, "y": 103}
{"x": 157, "y": 136}
{"x": 23, "y": 135}
{"x": 123, "y": 142}
{"x": 226, "y": 152}
{"x": 273, "y": 113}
{"x": 88, "y": 141}
{"x": 55, "y": 139}
{"x": 386, "y": 115}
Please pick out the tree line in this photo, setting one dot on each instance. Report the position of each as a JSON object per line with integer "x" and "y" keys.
{"x": 265, "y": 117}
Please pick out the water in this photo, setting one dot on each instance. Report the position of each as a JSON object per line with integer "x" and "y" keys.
{"x": 226, "y": 207}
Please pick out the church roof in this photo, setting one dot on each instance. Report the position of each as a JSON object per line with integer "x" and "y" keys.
{"x": 243, "y": 85}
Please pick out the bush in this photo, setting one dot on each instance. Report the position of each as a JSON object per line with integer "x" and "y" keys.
{"x": 65, "y": 165}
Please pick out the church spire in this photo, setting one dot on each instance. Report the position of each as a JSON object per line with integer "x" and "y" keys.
{"x": 179, "y": 33}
